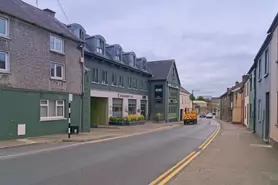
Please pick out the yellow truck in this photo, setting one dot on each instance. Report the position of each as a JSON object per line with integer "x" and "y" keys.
{"x": 190, "y": 117}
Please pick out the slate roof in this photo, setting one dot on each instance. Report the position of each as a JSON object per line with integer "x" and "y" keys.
{"x": 35, "y": 16}
{"x": 160, "y": 69}
{"x": 184, "y": 90}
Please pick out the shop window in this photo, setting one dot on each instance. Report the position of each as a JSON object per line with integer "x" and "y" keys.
{"x": 131, "y": 107}
{"x": 158, "y": 93}
{"x": 117, "y": 107}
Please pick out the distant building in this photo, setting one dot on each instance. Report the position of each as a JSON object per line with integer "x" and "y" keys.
{"x": 185, "y": 102}
{"x": 164, "y": 90}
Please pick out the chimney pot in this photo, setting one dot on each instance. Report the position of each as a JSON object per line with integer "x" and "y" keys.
{"x": 49, "y": 12}
{"x": 236, "y": 83}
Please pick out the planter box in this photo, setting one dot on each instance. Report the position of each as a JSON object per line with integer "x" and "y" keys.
{"x": 115, "y": 123}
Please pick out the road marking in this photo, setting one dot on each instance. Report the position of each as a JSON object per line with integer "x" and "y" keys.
{"x": 212, "y": 138}
{"x": 6, "y": 157}
{"x": 202, "y": 145}
{"x": 168, "y": 175}
{"x": 172, "y": 169}
{"x": 167, "y": 179}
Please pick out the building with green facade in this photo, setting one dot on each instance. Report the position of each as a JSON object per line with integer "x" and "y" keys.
{"x": 41, "y": 68}
{"x": 164, "y": 90}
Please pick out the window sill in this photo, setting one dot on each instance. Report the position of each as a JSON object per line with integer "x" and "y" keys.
{"x": 5, "y": 72}
{"x": 265, "y": 75}
{"x": 58, "y": 52}
{"x": 103, "y": 84}
{"x": 95, "y": 82}
{"x": 114, "y": 85}
{"x": 52, "y": 119}
{"x": 58, "y": 79}
{"x": 259, "y": 80}
{"x": 5, "y": 37}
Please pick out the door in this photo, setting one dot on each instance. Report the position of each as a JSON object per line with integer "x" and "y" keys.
{"x": 143, "y": 108}
{"x": 181, "y": 114}
{"x": 266, "y": 113}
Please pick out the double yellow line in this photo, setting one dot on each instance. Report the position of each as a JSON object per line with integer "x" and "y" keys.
{"x": 168, "y": 175}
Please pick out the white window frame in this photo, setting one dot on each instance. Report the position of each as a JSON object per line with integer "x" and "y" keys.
{"x": 266, "y": 62}
{"x": 6, "y": 20}
{"x": 7, "y": 63}
{"x": 60, "y": 105}
{"x": 55, "y": 72}
{"x": 55, "y": 41}
{"x": 50, "y": 118}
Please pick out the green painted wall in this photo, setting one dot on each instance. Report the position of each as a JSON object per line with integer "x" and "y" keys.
{"x": 18, "y": 107}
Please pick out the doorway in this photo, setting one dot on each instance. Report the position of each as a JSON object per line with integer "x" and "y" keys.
{"x": 99, "y": 111}
{"x": 181, "y": 114}
{"x": 266, "y": 113}
{"x": 143, "y": 108}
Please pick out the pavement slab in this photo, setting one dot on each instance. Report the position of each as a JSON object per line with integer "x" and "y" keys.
{"x": 235, "y": 157}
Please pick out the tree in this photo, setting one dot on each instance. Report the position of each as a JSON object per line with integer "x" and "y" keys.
{"x": 201, "y": 98}
{"x": 192, "y": 97}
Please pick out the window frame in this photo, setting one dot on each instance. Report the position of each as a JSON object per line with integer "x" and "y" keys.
{"x": 100, "y": 46}
{"x": 114, "y": 79}
{"x": 47, "y": 105}
{"x": 104, "y": 77}
{"x": 55, "y": 41}
{"x": 259, "y": 70}
{"x": 266, "y": 62}
{"x": 95, "y": 75}
{"x": 7, "y": 62}
{"x": 121, "y": 81}
{"x": 6, "y": 20}
{"x": 55, "y": 71}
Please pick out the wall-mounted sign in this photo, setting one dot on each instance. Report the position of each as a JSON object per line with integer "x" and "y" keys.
{"x": 124, "y": 96}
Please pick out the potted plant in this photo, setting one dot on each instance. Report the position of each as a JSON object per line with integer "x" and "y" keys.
{"x": 157, "y": 117}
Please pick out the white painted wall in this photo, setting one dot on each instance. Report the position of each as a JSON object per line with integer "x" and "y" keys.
{"x": 246, "y": 103}
{"x": 110, "y": 95}
{"x": 274, "y": 86}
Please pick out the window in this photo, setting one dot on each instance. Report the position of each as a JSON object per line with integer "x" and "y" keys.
{"x": 260, "y": 67}
{"x": 100, "y": 46}
{"x": 4, "y": 62}
{"x": 245, "y": 112}
{"x": 114, "y": 79}
{"x": 133, "y": 59}
{"x": 52, "y": 109}
{"x": 121, "y": 81}
{"x": 259, "y": 109}
{"x": 104, "y": 77}
{"x": 250, "y": 82}
{"x": 146, "y": 85}
{"x": 266, "y": 62}
{"x": 173, "y": 72}
{"x": 56, "y": 44}
{"x": 3, "y": 26}
{"x": 129, "y": 82}
{"x": 81, "y": 34}
{"x": 131, "y": 107}
{"x": 95, "y": 75}
{"x": 158, "y": 93}
{"x": 57, "y": 71}
{"x": 117, "y": 107}
{"x": 134, "y": 83}
{"x": 118, "y": 55}
{"x": 141, "y": 85}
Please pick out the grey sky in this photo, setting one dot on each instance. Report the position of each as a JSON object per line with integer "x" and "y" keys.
{"x": 214, "y": 42}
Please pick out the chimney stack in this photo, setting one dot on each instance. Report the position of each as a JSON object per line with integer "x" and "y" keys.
{"x": 49, "y": 12}
{"x": 236, "y": 83}
{"x": 228, "y": 89}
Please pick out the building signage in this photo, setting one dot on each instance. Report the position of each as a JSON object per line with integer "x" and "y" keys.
{"x": 124, "y": 96}
{"x": 174, "y": 86}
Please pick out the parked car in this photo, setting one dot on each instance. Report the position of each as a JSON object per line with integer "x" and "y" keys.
{"x": 202, "y": 116}
{"x": 209, "y": 115}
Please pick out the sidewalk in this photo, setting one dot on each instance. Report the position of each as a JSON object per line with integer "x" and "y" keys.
{"x": 235, "y": 157}
{"x": 95, "y": 134}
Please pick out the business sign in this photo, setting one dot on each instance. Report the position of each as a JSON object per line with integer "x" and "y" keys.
{"x": 124, "y": 96}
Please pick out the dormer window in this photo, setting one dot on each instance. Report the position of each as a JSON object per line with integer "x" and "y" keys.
{"x": 100, "y": 46}
{"x": 133, "y": 59}
{"x": 118, "y": 55}
{"x": 81, "y": 34}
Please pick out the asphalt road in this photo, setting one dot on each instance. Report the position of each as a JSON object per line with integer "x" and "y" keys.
{"x": 136, "y": 160}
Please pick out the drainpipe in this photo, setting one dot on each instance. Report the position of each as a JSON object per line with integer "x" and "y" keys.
{"x": 82, "y": 93}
